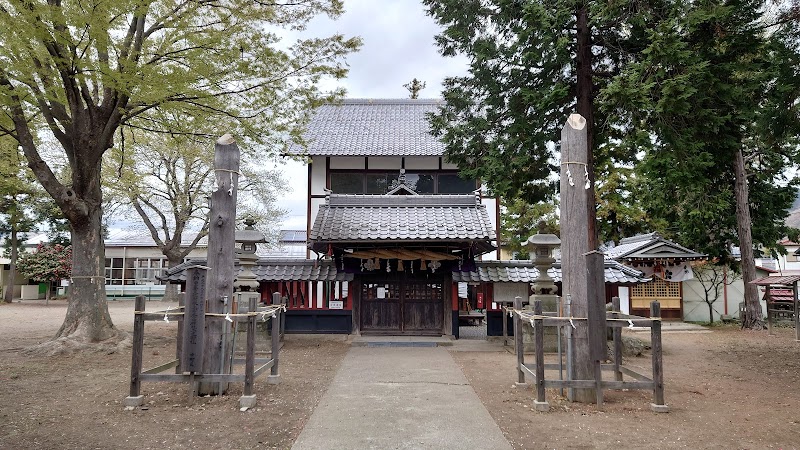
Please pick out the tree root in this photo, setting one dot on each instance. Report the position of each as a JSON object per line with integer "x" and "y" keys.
{"x": 75, "y": 343}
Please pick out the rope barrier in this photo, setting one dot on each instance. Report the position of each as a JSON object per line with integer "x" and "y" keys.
{"x": 527, "y": 315}
{"x": 271, "y": 310}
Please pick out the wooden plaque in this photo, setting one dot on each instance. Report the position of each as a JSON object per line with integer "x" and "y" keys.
{"x": 194, "y": 320}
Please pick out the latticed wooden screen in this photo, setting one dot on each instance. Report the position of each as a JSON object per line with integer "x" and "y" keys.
{"x": 666, "y": 292}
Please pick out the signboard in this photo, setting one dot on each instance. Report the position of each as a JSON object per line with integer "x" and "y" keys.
{"x": 336, "y": 304}
{"x": 194, "y": 320}
{"x": 480, "y": 300}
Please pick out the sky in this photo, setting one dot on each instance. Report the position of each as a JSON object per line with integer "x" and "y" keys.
{"x": 397, "y": 46}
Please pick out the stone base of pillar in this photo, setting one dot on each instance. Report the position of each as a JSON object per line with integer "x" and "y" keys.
{"x": 247, "y": 401}
{"x": 541, "y": 406}
{"x": 659, "y": 408}
{"x": 133, "y": 401}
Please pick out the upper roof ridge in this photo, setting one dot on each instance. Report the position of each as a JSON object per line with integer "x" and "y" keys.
{"x": 388, "y": 101}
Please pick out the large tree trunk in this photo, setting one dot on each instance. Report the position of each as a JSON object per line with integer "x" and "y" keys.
{"x": 12, "y": 271}
{"x": 87, "y": 318}
{"x": 754, "y": 317}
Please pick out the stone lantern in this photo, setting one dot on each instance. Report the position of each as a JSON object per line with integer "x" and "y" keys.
{"x": 540, "y": 247}
{"x": 246, "y": 283}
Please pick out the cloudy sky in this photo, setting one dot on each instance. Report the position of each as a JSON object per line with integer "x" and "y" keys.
{"x": 397, "y": 47}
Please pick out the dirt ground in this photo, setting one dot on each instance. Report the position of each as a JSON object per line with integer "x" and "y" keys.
{"x": 725, "y": 389}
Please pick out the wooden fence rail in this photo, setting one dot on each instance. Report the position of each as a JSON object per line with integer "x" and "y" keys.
{"x": 251, "y": 372}
{"x": 615, "y": 320}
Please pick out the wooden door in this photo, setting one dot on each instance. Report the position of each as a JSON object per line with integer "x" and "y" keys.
{"x": 398, "y": 304}
{"x": 380, "y": 306}
{"x": 423, "y": 307}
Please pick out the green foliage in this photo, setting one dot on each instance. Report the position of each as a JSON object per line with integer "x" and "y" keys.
{"x": 520, "y": 220}
{"x": 681, "y": 85}
{"x": 713, "y": 80}
{"x": 48, "y": 263}
{"x": 19, "y": 194}
{"x": 75, "y": 72}
{"x": 56, "y": 226}
{"x": 501, "y": 121}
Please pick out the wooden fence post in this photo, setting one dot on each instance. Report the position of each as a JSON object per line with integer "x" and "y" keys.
{"x": 519, "y": 348}
{"x": 135, "y": 398}
{"x": 274, "y": 377}
{"x": 248, "y": 399}
{"x": 179, "y": 341}
{"x": 540, "y": 404}
{"x": 617, "y": 336}
{"x": 796, "y": 299}
{"x": 769, "y": 311}
{"x": 221, "y": 242}
{"x": 504, "y": 310}
{"x": 658, "y": 404}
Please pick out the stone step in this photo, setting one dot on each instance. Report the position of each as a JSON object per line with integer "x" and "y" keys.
{"x": 402, "y": 341}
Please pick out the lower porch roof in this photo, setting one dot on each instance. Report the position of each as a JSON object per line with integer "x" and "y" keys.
{"x": 408, "y": 221}
{"x": 270, "y": 270}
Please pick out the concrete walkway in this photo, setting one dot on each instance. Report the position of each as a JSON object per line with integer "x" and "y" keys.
{"x": 400, "y": 398}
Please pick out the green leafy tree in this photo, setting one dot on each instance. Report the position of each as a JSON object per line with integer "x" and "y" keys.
{"x": 532, "y": 63}
{"x": 717, "y": 89}
{"x": 48, "y": 263}
{"x": 520, "y": 220}
{"x": 78, "y": 72}
{"x": 19, "y": 195}
{"x": 167, "y": 181}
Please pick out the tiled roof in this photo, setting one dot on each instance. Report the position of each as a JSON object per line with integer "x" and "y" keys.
{"x": 525, "y": 272}
{"x": 372, "y": 127}
{"x": 787, "y": 280}
{"x": 402, "y": 219}
{"x": 649, "y": 246}
{"x": 288, "y": 269}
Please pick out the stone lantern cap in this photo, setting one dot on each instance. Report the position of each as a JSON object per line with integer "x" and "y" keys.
{"x": 249, "y": 235}
{"x": 543, "y": 239}
{"x": 249, "y": 238}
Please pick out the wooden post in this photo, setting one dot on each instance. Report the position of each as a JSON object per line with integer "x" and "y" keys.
{"x": 540, "y": 404}
{"x": 504, "y": 310}
{"x": 519, "y": 348}
{"x": 135, "y": 398}
{"x": 277, "y": 300}
{"x": 570, "y": 347}
{"x": 179, "y": 341}
{"x": 249, "y": 364}
{"x": 769, "y": 310}
{"x": 658, "y": 404}
{"x": 796, "y": 312}
{"x": 219, "y": 283}
{"x": 194, "y": 321}
{"x": 248, "y": 399}
{"x": 617, "y": 334}
{"x": 580, "y": 272}
{"x": 274, "y": 377}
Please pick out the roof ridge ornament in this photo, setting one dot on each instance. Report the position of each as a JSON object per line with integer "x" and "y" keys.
{"x": 399, "y": 186}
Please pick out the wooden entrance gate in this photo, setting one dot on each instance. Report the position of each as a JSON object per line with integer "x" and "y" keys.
{"x": 399, "y": 304}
